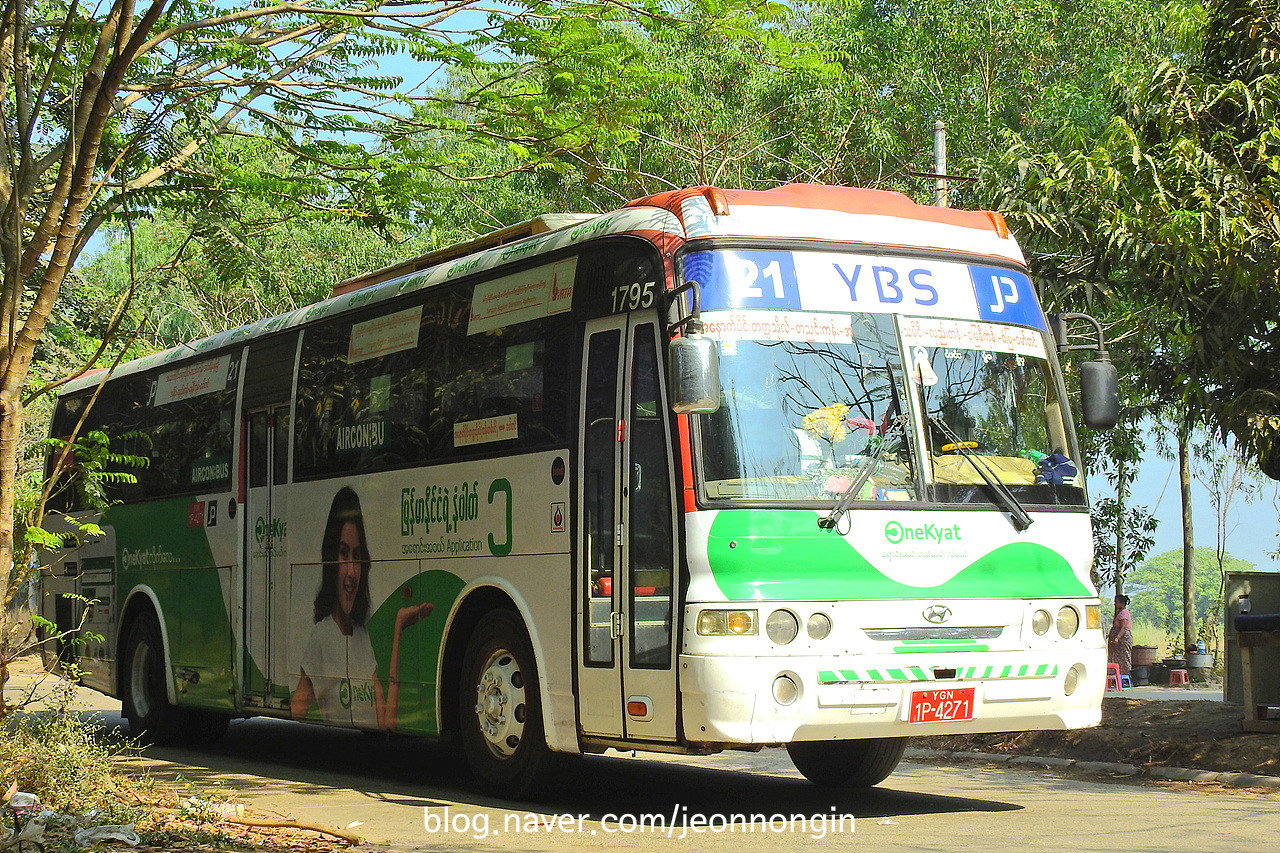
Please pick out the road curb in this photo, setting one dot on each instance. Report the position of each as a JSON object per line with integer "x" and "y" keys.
{"x": 1233, "y": 779}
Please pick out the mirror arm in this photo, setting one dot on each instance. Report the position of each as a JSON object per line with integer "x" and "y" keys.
{"x": 1058, "y": 325}
{"x": 692, "y": 324}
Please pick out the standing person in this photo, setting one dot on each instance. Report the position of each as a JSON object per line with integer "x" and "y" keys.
{"x": 1120, "y": 640}
{"x": 339, "y": 672}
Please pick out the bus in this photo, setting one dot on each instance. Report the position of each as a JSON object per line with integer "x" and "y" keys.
{"x": 721, "y": 469}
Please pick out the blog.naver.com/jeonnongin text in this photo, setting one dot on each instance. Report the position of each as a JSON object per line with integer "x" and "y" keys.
{"x": 676, "y": 824}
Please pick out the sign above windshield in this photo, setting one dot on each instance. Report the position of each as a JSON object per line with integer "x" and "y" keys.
{"x": 821, "y": 282}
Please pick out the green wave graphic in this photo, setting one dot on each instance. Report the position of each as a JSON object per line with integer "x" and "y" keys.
{"x": 777, "y": 555}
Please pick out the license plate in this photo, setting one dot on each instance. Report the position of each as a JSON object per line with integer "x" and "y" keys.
{"x": 939, "y": 706}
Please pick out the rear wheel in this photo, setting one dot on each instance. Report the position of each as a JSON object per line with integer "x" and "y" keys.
{"x": 501, "y": 713}
{"x": 847, "y": 763}
{"x": 145, "y": 697}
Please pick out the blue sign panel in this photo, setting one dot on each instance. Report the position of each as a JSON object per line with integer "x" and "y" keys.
{"x": 745, "y": 279}
{"x": 1005, "y": 296}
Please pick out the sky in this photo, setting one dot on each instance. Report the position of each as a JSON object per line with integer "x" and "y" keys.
{"x": 1251, "y": 528}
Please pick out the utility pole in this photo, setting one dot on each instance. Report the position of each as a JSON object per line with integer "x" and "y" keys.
{"x": 940, "y": 191}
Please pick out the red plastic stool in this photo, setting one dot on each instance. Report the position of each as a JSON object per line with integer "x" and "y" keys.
{"x": 1113, "y": 676}
{"x": 1178, "y": 676}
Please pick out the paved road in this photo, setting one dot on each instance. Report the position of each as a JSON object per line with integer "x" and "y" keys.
{"x": 409, "y": 795}
{"x": 414, "y": 796}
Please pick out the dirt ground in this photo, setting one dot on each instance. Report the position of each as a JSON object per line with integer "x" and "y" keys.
{"x": 1144, "y": 732}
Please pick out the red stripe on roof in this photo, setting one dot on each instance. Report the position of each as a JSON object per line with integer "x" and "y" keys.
{"x": 841, "y": 199}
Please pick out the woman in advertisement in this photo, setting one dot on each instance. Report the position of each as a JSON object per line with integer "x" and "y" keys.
{"x": 339, "y": 672}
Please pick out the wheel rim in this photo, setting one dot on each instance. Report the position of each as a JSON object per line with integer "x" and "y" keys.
{"x": 140, "y": 665}
{"x": 501, "y": 709}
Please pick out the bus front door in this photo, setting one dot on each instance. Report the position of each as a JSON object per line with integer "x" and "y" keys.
{"x": 626, "y": 569}
{"x": 265, "y": 681}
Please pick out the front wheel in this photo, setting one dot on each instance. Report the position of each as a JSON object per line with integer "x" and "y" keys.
{"x": 502, "y": 730}
{"x": 847, "y": 763}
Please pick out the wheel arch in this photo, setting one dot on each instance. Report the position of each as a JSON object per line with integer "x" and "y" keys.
{"x": 469, "y": 609}
{"x": 483, "y": 596}
{"x": 143, "y": 599}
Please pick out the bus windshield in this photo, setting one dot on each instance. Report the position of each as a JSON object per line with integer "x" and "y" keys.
{"x": 798, "y": 419}
{"x": 898, "y": 407}
{"x": 988, "y": 399}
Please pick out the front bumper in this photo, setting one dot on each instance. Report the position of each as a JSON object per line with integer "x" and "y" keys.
{"x": 730, "y": 700}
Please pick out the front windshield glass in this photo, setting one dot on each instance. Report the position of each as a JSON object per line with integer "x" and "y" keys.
{"x": 799, "y": 419}
{"x": 835, "y": 387}
{"x": 990, "y": 402}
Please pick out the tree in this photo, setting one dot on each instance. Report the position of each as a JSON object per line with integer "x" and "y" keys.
{"x": 983, "y": 67}
{"x": 112, "y": 111}
{"x": 1173, "y": 210}
{"x": 1123, "y": 532}
{"x": 1155, "y": 588}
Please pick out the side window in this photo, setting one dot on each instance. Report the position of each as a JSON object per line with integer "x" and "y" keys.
{"x": 186, "y": 442}
{"x": 431, "y": 390}
{"x": 190, "y": 446}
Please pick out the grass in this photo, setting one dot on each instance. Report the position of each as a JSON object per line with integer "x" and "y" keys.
{"x": 69, "y": 761}
{"x": 1146, "y": 634}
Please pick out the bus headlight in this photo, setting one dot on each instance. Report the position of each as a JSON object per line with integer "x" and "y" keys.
{"x": 1068, "y": 622}
{"x": 782, "y": 626}
{"x": 818, "y": 626}
{"x": 719, "y": 623}
{"x": 1041, "y": 622}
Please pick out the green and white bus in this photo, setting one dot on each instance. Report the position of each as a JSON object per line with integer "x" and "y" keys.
{"x": 721, "y": 469}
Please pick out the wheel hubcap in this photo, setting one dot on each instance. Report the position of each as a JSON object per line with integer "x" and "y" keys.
{"x": 500, "y": 703}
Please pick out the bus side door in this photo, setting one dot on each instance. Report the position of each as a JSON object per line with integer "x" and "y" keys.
{"x": 265, "y": 682}
{"x": 268, "y": 386}
{"x": 626, "y": 569}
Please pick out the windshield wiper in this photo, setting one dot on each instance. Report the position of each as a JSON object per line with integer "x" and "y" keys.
{"x": 1018, "y": 516}
{"x": 869, "y": 467}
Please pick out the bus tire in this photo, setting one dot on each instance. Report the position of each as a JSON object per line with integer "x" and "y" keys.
{"x": 143, "y": 690}
{"x": 847, "y": 763}
{"x": 500, "y": 709}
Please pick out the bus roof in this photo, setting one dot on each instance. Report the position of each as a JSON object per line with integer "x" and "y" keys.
{"x": 811, "y": 212}
{"x": 837, "y": 214}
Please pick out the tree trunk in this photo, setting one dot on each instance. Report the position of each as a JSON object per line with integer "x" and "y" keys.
{"x": 1122, "y": 489}
{"x": 1188, "y": 540}
{"x": 10, "y": 432}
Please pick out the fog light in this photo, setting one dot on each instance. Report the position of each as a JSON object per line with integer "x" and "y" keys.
{"x": 818, "y": 626}
{"x": 785, "y": 690}
{"x": 782, "y": 626}
{"x": 1075, "y": 676}
{"x": 1040, "y": 622}
{"x": 1068, "y": 622}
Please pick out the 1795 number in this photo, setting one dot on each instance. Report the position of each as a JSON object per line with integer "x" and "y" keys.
{"x": 629, "y": 297}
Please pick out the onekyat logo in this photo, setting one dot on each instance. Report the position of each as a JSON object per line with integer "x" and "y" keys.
{"x": 895, "y": 533}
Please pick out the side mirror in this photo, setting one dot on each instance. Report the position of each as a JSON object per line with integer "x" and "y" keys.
{"x": 693, "y": 365}
{"x": 1099, "y": 394}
